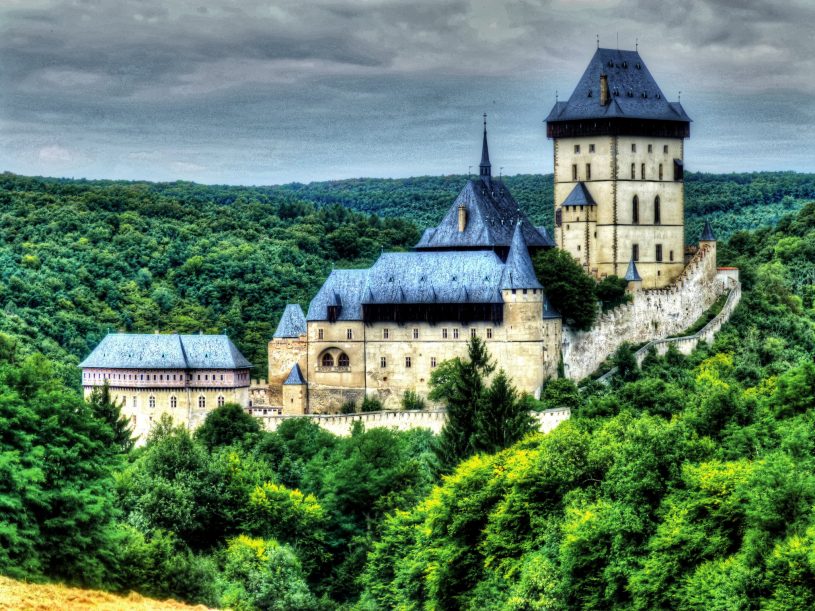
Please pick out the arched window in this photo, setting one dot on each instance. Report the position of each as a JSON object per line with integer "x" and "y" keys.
{"x": 202, "y": 401}
{"x": 343, "y": 360}
{"x": 220, "y": 401}
{"x": 328, "y": 360}
{"x": 657, "y": 211}
{"x": 151, "y": 402}
{"x": 173, "y": 402}
{"x": 635, "y": 210}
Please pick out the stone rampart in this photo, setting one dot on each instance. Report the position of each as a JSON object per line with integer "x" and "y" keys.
{"x": 649, "y": 316}
{"x": 433, "y": 419}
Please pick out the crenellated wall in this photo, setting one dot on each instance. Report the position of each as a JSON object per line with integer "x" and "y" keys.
{"x": 651, "y": 315}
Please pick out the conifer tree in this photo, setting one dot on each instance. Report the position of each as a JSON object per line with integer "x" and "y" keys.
{"x": 501, "y": 418}
{"x": 109, "y": 411}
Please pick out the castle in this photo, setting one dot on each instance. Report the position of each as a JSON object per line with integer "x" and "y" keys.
{"x": 380, "y": 332}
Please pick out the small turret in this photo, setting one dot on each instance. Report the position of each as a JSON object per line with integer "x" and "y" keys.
{"x": 519, "y": 273}
{"x": 707, "y": 233}
{"x": 632, "y": 276}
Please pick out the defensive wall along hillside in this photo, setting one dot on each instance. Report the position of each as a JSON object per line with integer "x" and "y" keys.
{"x": 650, "y": 315}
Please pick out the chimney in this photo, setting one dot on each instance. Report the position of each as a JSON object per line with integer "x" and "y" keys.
{"x": 462, "y": 218}
{"x": 603, "y": 90}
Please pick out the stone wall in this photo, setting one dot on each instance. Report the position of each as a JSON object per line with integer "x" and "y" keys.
{"x": 433, "y": 419}
{"x": 651, "y": 315}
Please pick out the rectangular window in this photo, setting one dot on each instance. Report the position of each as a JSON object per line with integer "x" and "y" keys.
{"x": 574, "y": 171}
{"x": 588, "y": 171}
{"x": 635, "y": 252}
{"x": 591, "y": 148}
{"x": 576, "y": 148}
{"x": 432, "y": 361}
{"x": 383, "y": 362}
{"x": 444, "y": 333}
{"x": 650, "y": 148}
{"x": 642, "y": 171}
{"x": 660, "y": 171}
{"x": 633, "y": 171}
{"x": 659, "y": 253}
{"x": 472, "y": 332}
{"x": 665, "y": 149}
{"x": 671, "y": 255}
{"x": 407, "y": 361}
{"x": 319, "y": 334}
{"x": 349, "y": 333}
{"x": 455, "y": 333}
{"x": 633, "y": 147}
{"x": 415, "y": 334}
{"x": 489, "y": 333}
{"x": 386, "y": 333}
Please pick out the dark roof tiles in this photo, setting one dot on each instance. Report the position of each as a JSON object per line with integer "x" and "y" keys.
{"x": 579, "y": 196}
{"x": 631, "y": 274}
{"x": 707, "y": 233}
{"x": 292, "y": 323}
{"x": 519, "y": 273}
{"x": 295, "y": 377}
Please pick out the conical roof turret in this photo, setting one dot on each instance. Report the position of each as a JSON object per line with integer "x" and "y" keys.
{"x": 707, "y": 233}
{"x": 632, "y": 275}
{"x": 519, "y": 273}
{"x": 485, "y": 165}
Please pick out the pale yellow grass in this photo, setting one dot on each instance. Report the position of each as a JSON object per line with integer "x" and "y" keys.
{"x": 17, "y": 595}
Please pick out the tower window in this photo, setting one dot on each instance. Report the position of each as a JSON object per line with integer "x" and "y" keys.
{"x": 574, "y": 171}
{"x": 650, "y": 148}
{"x": 660, "y": 171}
{"x": 657, "y": 211}
{"x": 635, "y": 210}
{"x": 665, "y": 149}
{"x": 320, "y": 334}
{"x": 635, "y": 252}
{"x": 407, "y": 362}
{"x": 386, "y": 333}
{"x": 588, "y": 171}
{"x": 415, "y": 334}
{"x": 659, "y": 253}
{"x": 383, "y": 362}
{"x": 558, "y": 217}
{"x": 642, "y": 171}
{"x": 633, "y": 147}
{"x": 591, "y": 148}
{"x": 633, "y": 171}
{"x": 671, "y": 255}
{"x": 576, "y": 148}
{"x": 349, "y": 333}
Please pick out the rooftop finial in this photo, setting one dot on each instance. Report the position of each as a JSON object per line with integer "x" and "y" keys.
{"x": 598, "y": 40}
{"x": 636, "y": 44}
{"x": 485, "y": 166}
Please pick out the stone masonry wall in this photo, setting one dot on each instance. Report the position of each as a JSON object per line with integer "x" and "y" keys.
{"x": 651, "y": 315}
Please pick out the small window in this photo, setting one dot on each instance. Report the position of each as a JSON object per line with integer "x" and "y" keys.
{"x": 444, "y": 333}
{"x": 665, "y": 149}
{"x": 199, "y": 377}
{"x": 635, "y": 252}
{"x": 659, "y": 253}
{"x": 633, "y": 171}
{"x": 320, "y": 334}
{"x": 206, "y": 377}
{"x": 633, "y": 147}
{"x": 473, "y": 332}
{"x": 588, "y": 171}
{"x": 576, "y": 148}
{"x": 134, "y": 401}
{"x": 455, "y": 333}
{"x": 558, "y": 217}
{"x": 489, "y": 333}
{"x": 591, "y": 148}
{"x": 642, "y": 171}
{"x": 650, "y": 148}
{"x": 222, "y": 377}
{"x": 173, "y": 402}
{"x": 660, "y": 171}
{"x": 415, "y": 334}
{"x": 151, "y": 402}
{"x": 344, "y": 361}
{"x": 432, "y": 361}
{"x": 327, "y": 360}
{"x": 386, "y": 333}
{"x": 671, "y": 255}
{"x": 574, "y": 171}
{"x": 383, "y": 362}
{"x": 407, "y": 362}
{"x": 220, "y": 401}
{"x": 202, "y": 401}
{"x": 635, "y": 210}
{"x": 349, "y": 333}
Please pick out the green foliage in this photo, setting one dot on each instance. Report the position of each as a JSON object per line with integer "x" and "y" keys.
{"x": 626, "y": 363}
{"x": 370, "y": 404}
{"x": 559, "y": 393}
{"x": 610, "y": 292}
{"x": 502, "y": 418}
{"x": 227, "y": 425}
{"x": 107, "y": 410}
{"x": 349, "y": 407}
{"x": 412, "y": 401}
{"x": 569, "y": 288}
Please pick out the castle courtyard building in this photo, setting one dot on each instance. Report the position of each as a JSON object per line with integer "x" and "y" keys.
{"x": 185, "y": 376}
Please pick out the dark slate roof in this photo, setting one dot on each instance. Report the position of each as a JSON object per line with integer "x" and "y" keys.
{"x": 545, "y": 235}
{"x": 292, "y": 323}
{"x": 632, "y": 275}
{"x": 344, "y": 288}
{"x": 579, "y": 196}
{"x": 492, "y": 214}
{"x": 707, "y": 233}
{"x": 156, "y": 351}
{"x": 634, "y": 94}
{"x": 295, "y": 377}
{"x": 435, "y": 277}
{"x": 519, "y": 272}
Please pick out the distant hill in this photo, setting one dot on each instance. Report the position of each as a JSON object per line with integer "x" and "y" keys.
{"x": 731, "y": 202}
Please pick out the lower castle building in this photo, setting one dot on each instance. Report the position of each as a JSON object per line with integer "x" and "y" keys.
{"x": 185, "y": 376}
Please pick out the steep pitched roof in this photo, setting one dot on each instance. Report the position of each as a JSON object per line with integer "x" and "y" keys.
{"x": 579, "y": 196}
{"x": 633, "y": 92}
{"x": 519, "y": 272}
{"x": 492, "y": 214}
{"x": 295, "y": 377}
{"x": 631, "y": 274}
{"x": 292, "y": 323}
{"x": 707, "y": 233}
{"x": 157, "y": 351}
{"x": 343, "y": 288}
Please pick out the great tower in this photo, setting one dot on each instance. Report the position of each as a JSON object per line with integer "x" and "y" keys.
{"x": 619, "y": 171}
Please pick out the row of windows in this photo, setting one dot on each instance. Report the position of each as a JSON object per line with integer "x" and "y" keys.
{"x": 386, "y": 333}
{"x": 173, "y": 402}
{"x": 383, "y": 362}
{"x": 660, "y": 172}
{"x": 342, "y": 360}
{"x": 156, "y": 377}
{"x": 635, "y": 211}
{"x": 633, "y": 148}
{"x": 635, "y": 253}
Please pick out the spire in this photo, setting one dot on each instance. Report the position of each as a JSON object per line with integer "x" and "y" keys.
{"x": 632, "y": 275}
{"x": 707, "y": 233}
{"x": 519, "y": 273}
{"x": 486, "y": 167}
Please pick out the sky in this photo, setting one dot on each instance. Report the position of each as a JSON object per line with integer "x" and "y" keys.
{"x": 259, "y": 92}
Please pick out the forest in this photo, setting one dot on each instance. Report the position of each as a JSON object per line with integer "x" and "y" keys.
{"x": 685, "y": 484}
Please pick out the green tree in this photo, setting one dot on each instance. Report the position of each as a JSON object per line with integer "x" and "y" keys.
{"x": 570, "y": 289}
{"x": 226, "y": 425}
{"x": 108, "y": 410}
{"x": 502, "y": 419}
{"x": 412, "y": 401}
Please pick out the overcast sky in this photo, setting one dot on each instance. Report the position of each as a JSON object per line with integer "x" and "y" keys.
{"x": 254, "y": 92}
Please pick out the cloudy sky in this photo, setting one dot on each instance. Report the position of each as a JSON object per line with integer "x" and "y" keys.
{"x": 263, "y": 92}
